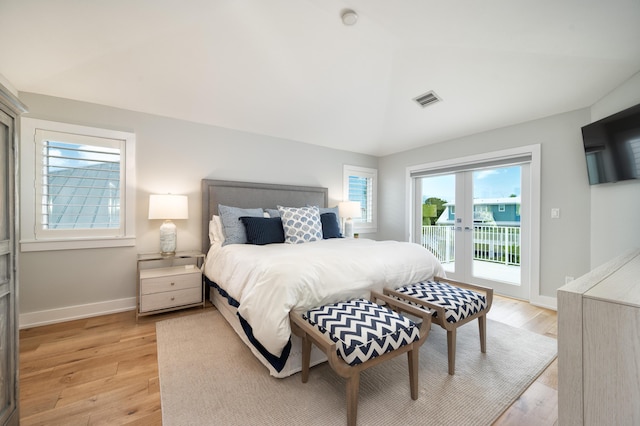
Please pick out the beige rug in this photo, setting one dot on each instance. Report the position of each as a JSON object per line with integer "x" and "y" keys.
{"x": 209, "y": 377}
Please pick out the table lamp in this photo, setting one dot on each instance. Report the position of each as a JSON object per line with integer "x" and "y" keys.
{"x": 349, "y": 210}
{"x": 167, "y": 207}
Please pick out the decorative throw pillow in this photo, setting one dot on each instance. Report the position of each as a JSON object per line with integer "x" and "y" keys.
{"x": 272, "y": 212}
{"x": 333, "y": 210}
{"x": 330, "y": 227}
{"x": 263, "y": 230}
{"x": 301, "y": 224}
{"x": 234, "y": 232}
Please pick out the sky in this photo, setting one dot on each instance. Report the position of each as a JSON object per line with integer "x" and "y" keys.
{"x": 487, "y": 183}
{"x": 63, "y": 154}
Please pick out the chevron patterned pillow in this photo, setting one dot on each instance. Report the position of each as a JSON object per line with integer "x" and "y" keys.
{"x": 361, "y": 329}
{"x": 458, "y": 303}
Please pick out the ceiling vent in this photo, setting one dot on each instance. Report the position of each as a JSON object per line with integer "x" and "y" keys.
{"x": 427, "y": 99}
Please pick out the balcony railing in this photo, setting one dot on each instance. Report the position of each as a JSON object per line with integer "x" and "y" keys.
{"x": 499, "y": 244}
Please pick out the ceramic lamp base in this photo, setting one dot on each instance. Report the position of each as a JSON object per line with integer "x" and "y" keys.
{"x": 348, "y": 228}
{"x": 168, "y": 237}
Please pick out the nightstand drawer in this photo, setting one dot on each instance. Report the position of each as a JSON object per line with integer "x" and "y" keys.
{"x": 170, "y": 299}
{"x": 162, "y": 283}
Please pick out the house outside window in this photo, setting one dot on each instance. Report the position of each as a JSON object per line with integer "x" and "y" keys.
{"x": 360, "y": 184}
{"x": 84, "y": 187}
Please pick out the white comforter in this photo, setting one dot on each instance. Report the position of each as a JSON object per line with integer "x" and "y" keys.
{"x": 271, "y": 280}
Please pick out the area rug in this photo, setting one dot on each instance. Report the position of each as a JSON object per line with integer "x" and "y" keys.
{"x": 209, "y": 377}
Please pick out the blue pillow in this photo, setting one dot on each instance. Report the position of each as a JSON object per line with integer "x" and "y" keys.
{"x": 272, "y": 212}
{"x": 263, "y": 230}
{"x": 333, "y": 210}
{"x": 234, "y": 232}
{"x": 330, "y": 227}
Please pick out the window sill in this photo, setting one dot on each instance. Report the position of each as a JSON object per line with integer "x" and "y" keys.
{"x": 75, "y": 244}
{"x": 365, "y": 230}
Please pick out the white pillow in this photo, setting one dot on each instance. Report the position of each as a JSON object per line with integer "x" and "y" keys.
{"x": 300, "y": 224}
{"x": 215, "y": 230}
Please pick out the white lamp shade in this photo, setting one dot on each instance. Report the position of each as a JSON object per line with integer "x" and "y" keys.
{"x": 167, "y": 206}
{"x": 350, "y": 209}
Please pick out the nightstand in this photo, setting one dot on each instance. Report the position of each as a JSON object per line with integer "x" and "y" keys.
{"x": 169, "y": 282}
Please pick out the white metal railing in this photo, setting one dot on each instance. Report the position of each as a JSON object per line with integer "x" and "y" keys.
{"x": 499, "y": 244}
{"x": 440, "y": 241}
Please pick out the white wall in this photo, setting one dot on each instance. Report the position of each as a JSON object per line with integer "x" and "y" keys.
{"x": 564, "y": 184}
{"x": 172, "y": 156}
{"x": 615, "y": 226}
{"x": 7, "y": 84}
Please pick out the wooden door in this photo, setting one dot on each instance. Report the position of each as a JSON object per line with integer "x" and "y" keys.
{"x": 9, "y": 109}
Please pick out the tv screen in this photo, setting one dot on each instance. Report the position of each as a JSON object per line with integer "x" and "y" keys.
{"x": 612, "y": 147}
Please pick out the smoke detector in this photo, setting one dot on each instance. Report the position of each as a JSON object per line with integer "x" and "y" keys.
{"x": 349, "y": 17}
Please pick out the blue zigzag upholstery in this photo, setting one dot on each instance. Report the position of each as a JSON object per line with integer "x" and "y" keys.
{"x": 359, "y": 334}
{"x": 452, "y": 304}
{"x": 361, "y": 329}
{"x": 458, "y": 303}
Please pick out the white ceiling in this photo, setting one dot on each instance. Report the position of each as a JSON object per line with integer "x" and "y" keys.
{"x": 291, "y": 69}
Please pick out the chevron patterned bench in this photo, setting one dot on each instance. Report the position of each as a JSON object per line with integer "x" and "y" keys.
{"x": 452, "y": 303}
{"x": 358, "y": 334}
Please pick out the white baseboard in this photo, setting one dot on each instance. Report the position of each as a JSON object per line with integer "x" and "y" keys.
{"x": 69, "y": 313}
{"x": 545, "y": 302}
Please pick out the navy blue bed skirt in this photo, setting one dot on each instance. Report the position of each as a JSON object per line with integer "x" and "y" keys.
{"x": 277, "y": 362}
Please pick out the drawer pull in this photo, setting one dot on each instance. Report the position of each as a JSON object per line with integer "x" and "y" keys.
{"x": 173, "y": 298}
{"x": 173, "y": 283}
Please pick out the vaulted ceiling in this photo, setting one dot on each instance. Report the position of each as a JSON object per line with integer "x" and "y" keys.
{"x": 292, "y": 69}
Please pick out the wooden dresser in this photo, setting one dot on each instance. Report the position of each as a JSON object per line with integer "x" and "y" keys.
{"x": 599, "y": 345}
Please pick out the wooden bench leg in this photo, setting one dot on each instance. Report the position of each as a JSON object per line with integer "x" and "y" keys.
{"x": 353, "y": 388}
{"x": 306, "y": 358}
{"x": 482, "y": 325}
{"x": 451, "y": 350}
{"x": 413, "y": 359}
{"x": 351, "y": 372}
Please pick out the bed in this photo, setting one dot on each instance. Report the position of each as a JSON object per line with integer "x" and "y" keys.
{"x": 256, "y": 286}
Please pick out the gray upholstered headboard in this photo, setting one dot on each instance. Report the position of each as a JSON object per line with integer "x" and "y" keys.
{"x": 251, "y": 195}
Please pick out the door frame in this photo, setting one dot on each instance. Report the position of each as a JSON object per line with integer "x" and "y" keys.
{"x": 534, "y": 151}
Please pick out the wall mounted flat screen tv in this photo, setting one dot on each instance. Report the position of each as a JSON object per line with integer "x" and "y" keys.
{"x": 612, "y": 147}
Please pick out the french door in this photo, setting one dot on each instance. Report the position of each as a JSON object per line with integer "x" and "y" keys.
{"x": 476, "y": 220}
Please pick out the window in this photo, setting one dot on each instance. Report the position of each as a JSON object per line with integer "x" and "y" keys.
{"x": 360, "y": 184}
{"x": 83, "y": 187}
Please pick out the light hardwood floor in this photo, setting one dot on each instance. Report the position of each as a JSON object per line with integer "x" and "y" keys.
{"x": 104, "y": 370}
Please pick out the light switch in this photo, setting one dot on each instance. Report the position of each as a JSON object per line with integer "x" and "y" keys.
{"x": 555, "y": 213}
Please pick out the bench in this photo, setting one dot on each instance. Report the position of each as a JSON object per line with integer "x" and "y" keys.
{"x": 358, "y": 334}
{"x": 453, "y": 303}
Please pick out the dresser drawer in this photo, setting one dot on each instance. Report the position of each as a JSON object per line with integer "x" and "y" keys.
{"x": 170, "y": 299}
{"x": 158, "y": 284}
